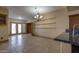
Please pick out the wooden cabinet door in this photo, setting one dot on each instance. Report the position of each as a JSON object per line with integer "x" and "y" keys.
{"x": 73, "y": 19}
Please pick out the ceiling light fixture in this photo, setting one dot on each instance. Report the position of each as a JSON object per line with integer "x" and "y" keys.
{"x": 38, "y": 17}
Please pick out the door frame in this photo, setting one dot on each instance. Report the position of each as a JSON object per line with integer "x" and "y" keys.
{"x": 17, "y": 28}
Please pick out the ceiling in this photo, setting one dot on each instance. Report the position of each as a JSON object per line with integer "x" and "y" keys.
{"x": 27, "y": 12}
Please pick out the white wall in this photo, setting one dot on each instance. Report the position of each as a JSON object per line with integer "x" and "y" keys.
{"x": 59, "y": 22}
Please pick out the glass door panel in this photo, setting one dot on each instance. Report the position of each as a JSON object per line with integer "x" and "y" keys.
{"x": 19, "y": 28}
{"x": 13, "y": 28}
{"x": 23, "y": 28}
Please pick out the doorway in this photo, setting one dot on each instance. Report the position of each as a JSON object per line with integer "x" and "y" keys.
{"x": 29, "y": 27}
{"x": 13, "y": 28}
{"x": 17, "y": 28}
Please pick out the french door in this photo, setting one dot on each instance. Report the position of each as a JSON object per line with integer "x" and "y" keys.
{"x": 16, "y": 28}
{"x": 19, "y": 28}
{"x": 13, "y": 28}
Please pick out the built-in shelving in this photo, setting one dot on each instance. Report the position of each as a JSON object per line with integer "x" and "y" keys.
{"x": 46, "y": 23}
{"x": 46, "y": 28}
{"x": 53, "y": 18}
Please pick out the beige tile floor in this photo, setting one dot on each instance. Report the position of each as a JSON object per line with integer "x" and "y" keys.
{"x": 27, "y": 43}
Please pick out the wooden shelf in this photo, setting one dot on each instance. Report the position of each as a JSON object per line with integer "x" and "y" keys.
{"x": 47, "y": 28}
{"x": 46, "y": 23}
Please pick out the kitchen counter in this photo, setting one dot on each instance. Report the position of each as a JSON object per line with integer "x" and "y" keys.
{"x": 64, "y": 37}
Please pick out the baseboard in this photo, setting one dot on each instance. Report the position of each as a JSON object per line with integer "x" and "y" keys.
{"x": 42, "y": 36}
{"x": 3, "y": 41}
{"x": 17, "y": 34}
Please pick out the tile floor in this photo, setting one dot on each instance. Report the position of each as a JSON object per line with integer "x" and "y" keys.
{"x": 27, "y": 43}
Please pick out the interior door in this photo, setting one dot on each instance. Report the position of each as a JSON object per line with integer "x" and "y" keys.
{"x": 29, "y": 27}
